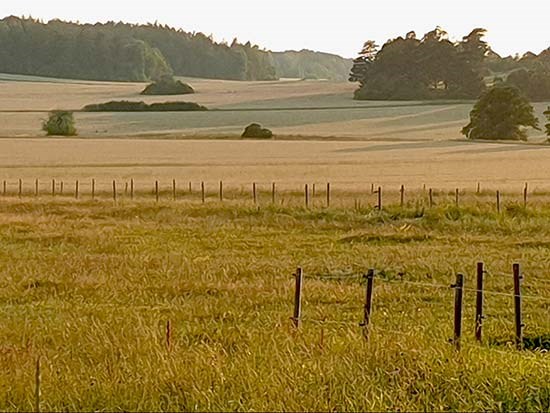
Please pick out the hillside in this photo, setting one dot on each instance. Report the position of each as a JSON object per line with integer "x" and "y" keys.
{"x": 127, "y": 52}
{"x": 307, "y": 64}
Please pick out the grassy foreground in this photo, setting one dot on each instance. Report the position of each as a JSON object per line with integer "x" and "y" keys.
{"x": 89, "y": 288}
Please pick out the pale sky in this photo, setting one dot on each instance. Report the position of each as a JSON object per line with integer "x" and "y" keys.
{"x": 338, "y": 27}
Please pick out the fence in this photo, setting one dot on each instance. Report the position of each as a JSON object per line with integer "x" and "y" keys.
{"x": 459, "y": 290}
{"x": 316, "y": 194}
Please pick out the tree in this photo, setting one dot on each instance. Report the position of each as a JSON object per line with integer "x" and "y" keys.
{"x": 60, "y": 123}
{"x": 361, "y": 64}
{"x": 500, "y": 113}
{"x": 547, "y": 126}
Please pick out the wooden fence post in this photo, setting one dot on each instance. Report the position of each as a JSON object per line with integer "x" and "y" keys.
{"x": 174, "y": 194}
{"x": 328, "y": 194}
{"x": 132, "y": 188}
{"x": 53, "y": 187}
{"x": 525, "y": 189}
{"x": 379, "y": 191}
{"x": 190, "y": 187}
{"x": 372, "y": 188}
{"x": 37, "y": 380}
{"x": 479, "y": 302}
{"x": 61, "y": 187}
{"x": 478, "y": 189}
{"x": 402, "y": 196}
{"x": 20, "y": 190}
{"x": 367, "y": 308}
{"x": 498, "y": 201}
{"x": 459, "y": 287}
{"x": 431, "y": 197}
{"x": 76, "y": 188}
{"x": 517, "y": 306}
{"x": 254, "y": 194}
{"x": 114, "y": 190}
{"x": 313, "y": 191}
{"x": 203, "y": 196}
{"x": 221, "y": 191}
{"x": 273, "y": 193}
{"x": 93, "y": 189}
{"x": 298, "y": 297}
{"x": 4, "y": 188}
{"x": 157, "y": 191}
{"x": 306, "y": 195}
{"x": 456, "y": 196}
{"x": 36, "y": 187}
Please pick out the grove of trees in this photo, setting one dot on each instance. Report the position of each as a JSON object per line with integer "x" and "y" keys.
{"x": 434, "y": 67}
{"x": 129, "y": 52}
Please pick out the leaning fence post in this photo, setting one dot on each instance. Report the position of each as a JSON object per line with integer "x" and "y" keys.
{"x": 328, "y": 194}
{"x": 298, "y": 297}
{"x": 367, "y": 308}
{"x": 517, "y": 306}
{"x": 458, "y": 309}
{"x": 479, "y": 301}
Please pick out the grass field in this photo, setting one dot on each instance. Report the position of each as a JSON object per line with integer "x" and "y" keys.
{"x": 90, "y": 286}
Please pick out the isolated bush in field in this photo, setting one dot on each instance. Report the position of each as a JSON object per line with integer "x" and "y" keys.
{"x": 501, "y": 113}
{"x": 60, "y": 122}
{"x": 547, "y": 126}
{"x": 254, "y": 130}
{"x": 167, "y": 85}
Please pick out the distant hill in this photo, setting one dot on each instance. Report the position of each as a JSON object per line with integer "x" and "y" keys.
{"x": 307, "y": 64}
{"x": 129, "y": 52}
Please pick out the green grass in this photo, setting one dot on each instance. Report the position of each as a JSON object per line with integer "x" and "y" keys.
{"x": 89, "y": 287}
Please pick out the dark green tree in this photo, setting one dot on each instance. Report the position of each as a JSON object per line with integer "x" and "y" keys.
{"x": 360, "y": 68}
{"x": 60, "y": 123}
{"x": 501, "y": 113}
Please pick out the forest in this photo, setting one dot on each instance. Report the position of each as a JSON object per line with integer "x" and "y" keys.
{"x": 128, "y": 52}
{"x": 434, "y": 67}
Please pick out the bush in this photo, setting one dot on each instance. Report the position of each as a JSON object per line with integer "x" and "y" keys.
{"x": 547, "y": 126}
{"x": 500, "y": 113}
{"x": 167, "y": 85}
{"x": 60, "y": 123}
{"x": 126, "y": 106}
{"x": 255, "y": 130}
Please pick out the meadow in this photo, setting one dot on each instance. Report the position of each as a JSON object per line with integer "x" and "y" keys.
{"x": 89, "y": 287}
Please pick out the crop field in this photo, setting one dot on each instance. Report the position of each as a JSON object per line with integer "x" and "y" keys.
{"x": 318, "y": 109}
{"x": 183, "y": 306}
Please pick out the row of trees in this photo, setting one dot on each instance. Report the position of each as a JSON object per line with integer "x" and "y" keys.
{"x": 119, "y": 51}
{"x": 433, "y": 67}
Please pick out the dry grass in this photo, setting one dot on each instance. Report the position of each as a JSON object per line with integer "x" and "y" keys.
{"x": 89, "y": 287}
{"x": 348, "y": 165}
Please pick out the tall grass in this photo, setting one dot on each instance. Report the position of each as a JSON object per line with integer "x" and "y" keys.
{"x": 89, "y": 287}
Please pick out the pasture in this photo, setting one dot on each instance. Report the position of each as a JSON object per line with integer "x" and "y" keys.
{"x": 90, "y": 287}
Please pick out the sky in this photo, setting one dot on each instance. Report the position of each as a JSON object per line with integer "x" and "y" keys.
{"x": 338, "y": 27}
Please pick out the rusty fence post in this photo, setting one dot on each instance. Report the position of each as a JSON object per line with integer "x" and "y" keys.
{"x": 298, "y": 297}
{"x": 479, "y": 302}
{"x": 459, "y": 291}
{"x": 367, "y": 308}
{"x": 517, "y": 306}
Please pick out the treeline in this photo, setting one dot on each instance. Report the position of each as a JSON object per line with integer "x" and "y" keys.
{"x": 433, "y": 67}
{"x": 128, "y": 52}
{"x": 307, "y": 64}
{"x": 120, "y": 51}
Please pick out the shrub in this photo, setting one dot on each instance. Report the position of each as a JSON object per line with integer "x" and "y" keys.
{"x": 500, "y": 113}
{"x": 167, "y": 85}
{"x": 126, "y": 106}
{"x": 60, "y": 123}
{"x": 255, "y": 130}
{"x": 547, "y": 126}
